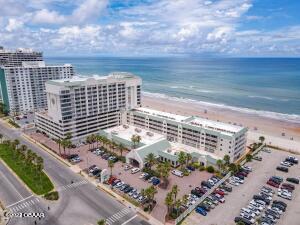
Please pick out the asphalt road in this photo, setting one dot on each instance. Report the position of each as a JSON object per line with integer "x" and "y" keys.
{"x": 81, "y": 205}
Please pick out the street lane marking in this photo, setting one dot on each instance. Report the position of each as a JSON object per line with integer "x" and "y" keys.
{"x": 115, "y": 217}
{"x": 73, "y": 185}
{"x": 18, "y": 206}
{"x": 19, "y": 201}
{"x": 11, "y": 185}
{"x": 127, "y": 221}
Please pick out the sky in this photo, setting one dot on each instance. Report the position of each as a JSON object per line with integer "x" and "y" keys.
{"x": 255, "y": 28}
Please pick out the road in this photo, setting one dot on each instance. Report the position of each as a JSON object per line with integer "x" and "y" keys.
{"x": 80, "y": 203}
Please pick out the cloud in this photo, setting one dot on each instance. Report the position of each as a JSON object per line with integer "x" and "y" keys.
{"x": 45, "y": 16}
{"x": 142, "y": 27}
{"x": 13, "y": 25}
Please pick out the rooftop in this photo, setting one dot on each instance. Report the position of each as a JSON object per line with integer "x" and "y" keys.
{"x": 126, "y": 131}
{"x": 166, "y": 115}
{"x": 217, "y": 126}
{"x": 78, "y": 80}
{"x": 19, "y": 50}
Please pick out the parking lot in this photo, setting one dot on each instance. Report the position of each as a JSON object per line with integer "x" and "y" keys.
{"x": 25, "y": 120}
{"x": 242, "y": 194}
{"x": 185, "y": 184}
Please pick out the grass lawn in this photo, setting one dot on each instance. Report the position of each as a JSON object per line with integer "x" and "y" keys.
{"x": 37, "y": 181}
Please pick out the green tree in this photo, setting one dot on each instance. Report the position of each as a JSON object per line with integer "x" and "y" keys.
{"x": 164, "y": 171}
{"x": 1, "y": 137}
{"x": 150, "y": 160}
{"x": 219, "y": 164}
{"x": 188, "y": 158}
{"x": 150, "y": 193}
{"x": 111, "y": 165}
{"x": 261, "y": 139}
{"x": 181, "y": 159}
{"x": 249, "y": 157}
{"x": 121, "y": 149}
{"x": 226, "y": 160}
{"x": 101, "y": 222}
{"x": 169, "y": 201}
{"x": 65, "y": 143}
{"x": 175, "y": 191}
{"x": 58, "y": 141}
{"x": 135, "y": 139}
{"x": 233, "y": 167}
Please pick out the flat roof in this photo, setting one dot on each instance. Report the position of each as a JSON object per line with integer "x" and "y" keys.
{"x": 194, "y": 121}
{"x": 78, "y": 80}
{"x": 126, "y": 131}
{"x": 161, "y": 114}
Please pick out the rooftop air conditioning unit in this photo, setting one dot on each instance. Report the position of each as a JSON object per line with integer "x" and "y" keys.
{"x": 137, "y": 130}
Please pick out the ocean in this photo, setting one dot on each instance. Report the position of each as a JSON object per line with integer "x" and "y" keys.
{"x": 263, "y": 86}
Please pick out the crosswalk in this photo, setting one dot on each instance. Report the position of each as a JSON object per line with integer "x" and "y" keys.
{"x": 117, "y": 216}
{"x": 24, "y": 204}
{"x": 73, "y": 185}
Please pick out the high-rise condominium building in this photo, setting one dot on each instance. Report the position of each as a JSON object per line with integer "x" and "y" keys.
{"x": 23, "y": 87}
{"x": 83, "y": 105}
{"x": 10, "y": 58}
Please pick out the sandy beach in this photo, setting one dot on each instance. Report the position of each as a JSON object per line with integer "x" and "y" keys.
{"x": 280, "y": 133}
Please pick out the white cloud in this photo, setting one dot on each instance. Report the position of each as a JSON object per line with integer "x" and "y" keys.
{"x": 45, "y": 16}
{"x": 13, "y": 25}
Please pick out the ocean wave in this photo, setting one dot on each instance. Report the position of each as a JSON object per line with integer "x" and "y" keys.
{"x": 268, "y": 114}
{"x": 192, "y": 88}
{"x": 268, "y": 98}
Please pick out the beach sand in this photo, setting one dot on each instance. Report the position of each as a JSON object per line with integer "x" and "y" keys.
{"x": 280, "y": 133}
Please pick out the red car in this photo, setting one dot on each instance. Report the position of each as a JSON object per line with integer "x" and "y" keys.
{"x": 201, "y": 190}
{"x": 217, "y": 191}
{"x": 111, "y": 180}
{"x": 288, "y": 186}
{"x": 273, "y": 184}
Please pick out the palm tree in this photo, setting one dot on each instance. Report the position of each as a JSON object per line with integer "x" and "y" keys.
{"x": 248, "y": 157}
{"x": 150, "y": 193}
{"x": 181, "y": 159}
{"x": 169, "y": 201}
{"x": 261, "y": 139}
{"x": 121, "y": 149}
{"x": 175, "y": 191}
{"x": 136, "y": 139}
{"x": 232, "y": 167}
{"x": 111, "y": 165}
{"x": 177, "y": 205}
{"x": 1, "y": 136}
{"x": 65, "y": 143}
{"x": 188, "y": 158}
{"x": 226, "y": 159}
{"x": 150, "y": 160}
{"x": 58, "y": 141}
{"x": 16, "y": 142}
{"x": 164, "y": 171}
{"x": 219, "y": 163}
{"x": 69, "y": 135}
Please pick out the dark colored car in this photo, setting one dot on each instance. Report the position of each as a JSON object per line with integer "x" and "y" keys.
{"x": 191, "y": 168}
{"x": 292, "y": 180}
{"x": 288, "y": 186}
{"x": 258, "y": 197}
{"x": 96, "y": 172}
{"x": 243, "y": 220}
{"x": 272, "y": 183}
{"x": 147, "y": 177}
{"x": 73, "y": 156}
{"x": 197, "y": 193}
{"x": 280, "y": 203}
{"x": 128, "y": 189}
{"x": 204, "y": 206}
{"x": 206, "y": 184}
{"x": 278, "y": 206}
{"x": 292, "y": 160}
{"x": 283, "y": 169}
{"x": 105, "y": 156}
{"x": 156, "y": 181}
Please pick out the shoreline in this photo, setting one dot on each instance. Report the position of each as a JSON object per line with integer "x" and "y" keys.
{"x": 285, "y": 130}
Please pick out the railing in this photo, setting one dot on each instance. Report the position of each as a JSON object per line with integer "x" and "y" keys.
{"x": 192, "y": 207}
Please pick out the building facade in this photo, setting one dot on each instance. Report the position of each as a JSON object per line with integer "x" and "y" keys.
{"x": 217, "y": 138}
{"x": 10, "y": 58}
{"x": 83, "y": 105}
{"x": 23, "y": 87}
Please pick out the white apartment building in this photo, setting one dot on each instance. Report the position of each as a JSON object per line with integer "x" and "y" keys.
{"x": 9, "y": 58}
{"x": 217, "y": 138}
{"x": 83, "y": 105}
{"x": 23, "y": 87}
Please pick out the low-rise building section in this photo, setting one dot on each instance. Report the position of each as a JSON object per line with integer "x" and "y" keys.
{"x": 209, "y": 136}
{"x": 83, "y": 105}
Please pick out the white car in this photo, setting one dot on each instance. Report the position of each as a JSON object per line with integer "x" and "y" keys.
{"x": 247, "y": 211}
{"x": 248, "y": 168}
{"x": 128, "y": 167}
{"x": 254, "y": 210}
{"x": 143, "y": 175}
{"x": 286, "y": 164}
{"x": 284, "y": 195}
{"x": 234, "y": 183}
{"x": 257, "y": 206}
{"x": 135, "y": 170}
{"x": 277, "y": 210}
{"x": 120, "y": 184}
{"x": 132, "y": 192}
{"x": 136, "y": 195}
{"x": 238, "y": 180}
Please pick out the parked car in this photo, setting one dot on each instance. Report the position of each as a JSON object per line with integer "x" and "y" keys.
{"x": 292, "y": 180}
{"x": 243, "y": 220}
{"x": 258, "y": 158}
{"x": 292, "y": 159}
{"x": 283, "y": 169}
{"x": 135, "y": 170}
{"x": 155, "y": 181}
{"x": 272, "y": 183}
{"x": 201, "y": 211}
{"x": 127, "y": 167}
{"x": 177, "y": 173}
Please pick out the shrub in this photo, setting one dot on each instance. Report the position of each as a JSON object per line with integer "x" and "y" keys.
{"x": 196, "y": 165}
{"x": 201, "y": 168}
{"x": 122, "y": 159}
{"x": 210, "y": 169}
{"x": 52, "y": 196}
